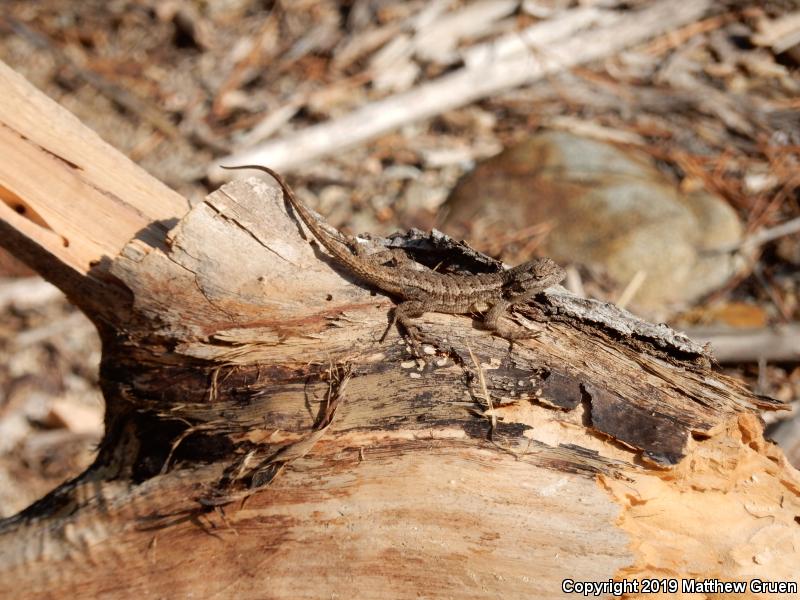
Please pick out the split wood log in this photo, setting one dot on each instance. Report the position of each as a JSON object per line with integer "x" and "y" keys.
{"x": 261, "y": 442}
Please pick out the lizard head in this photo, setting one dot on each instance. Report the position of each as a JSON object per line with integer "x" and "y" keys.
{"x": 540, "y": 273}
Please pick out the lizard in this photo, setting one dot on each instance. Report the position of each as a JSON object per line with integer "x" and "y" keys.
{"x": 430, "y": 291}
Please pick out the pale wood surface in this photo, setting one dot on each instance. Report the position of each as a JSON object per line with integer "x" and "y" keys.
{"x": 65, "y": 188}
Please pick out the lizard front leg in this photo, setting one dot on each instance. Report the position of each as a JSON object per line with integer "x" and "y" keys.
{"x": 493, "y": 318}
{"x": 522, "y": 284}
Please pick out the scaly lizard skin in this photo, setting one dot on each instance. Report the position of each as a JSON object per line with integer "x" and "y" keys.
{"x": 429, "y": 291}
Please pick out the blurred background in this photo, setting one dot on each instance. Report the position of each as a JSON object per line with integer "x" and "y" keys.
{"x": 650, "y": 146}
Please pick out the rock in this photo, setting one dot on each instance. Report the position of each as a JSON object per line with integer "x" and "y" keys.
{"x": 613, "y": 211}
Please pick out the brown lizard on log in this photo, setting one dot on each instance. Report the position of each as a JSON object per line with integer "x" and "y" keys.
{"x": 429, "y": 291}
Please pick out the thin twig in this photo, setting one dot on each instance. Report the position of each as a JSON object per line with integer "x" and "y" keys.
{"x": 762, "y": 236}
{"x": 780, "y": 343}
{"x": 484, "y": 391}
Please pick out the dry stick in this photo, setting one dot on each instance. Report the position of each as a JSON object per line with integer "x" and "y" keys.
{"x": 465, "y": 86}
{"x": 630, "y": 290}
{"x": 538, "y": 36}
{"x": 490, "y": 411}
{"x": 775, "y": 344}
{"x": 484, "y": 391}
{"x": 763, "y": 236}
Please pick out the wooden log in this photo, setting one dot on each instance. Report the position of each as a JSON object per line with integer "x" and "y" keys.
{"x": 260, "y": 440}
{"x": 69, "y": 202}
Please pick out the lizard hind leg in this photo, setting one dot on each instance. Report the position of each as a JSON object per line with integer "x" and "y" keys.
{"x": 493, "y": 321}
